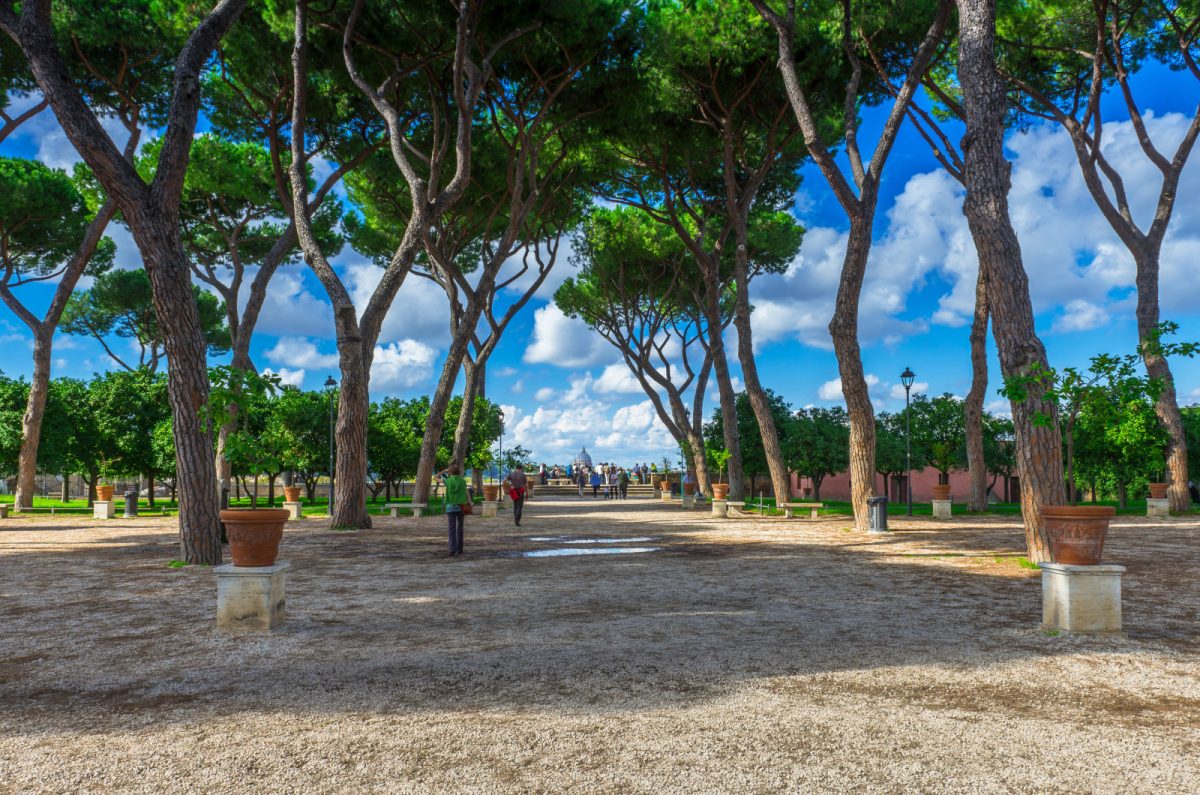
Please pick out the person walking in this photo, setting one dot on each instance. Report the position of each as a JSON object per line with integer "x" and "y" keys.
{"x": 595, "y": 481}
{"x": 580, "y": 480}
{"x": 518, "y": 483}
{"x": 456, "y": 499}
{"x": 623, "y": 483}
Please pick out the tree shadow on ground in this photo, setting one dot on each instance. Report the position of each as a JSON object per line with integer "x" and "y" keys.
{"x": 380, "y": 620}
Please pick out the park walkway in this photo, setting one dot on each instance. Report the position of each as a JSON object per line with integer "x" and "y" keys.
{"x": 737, "y": 655}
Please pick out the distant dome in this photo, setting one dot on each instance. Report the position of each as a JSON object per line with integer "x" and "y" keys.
{"x": 583, "y": 459}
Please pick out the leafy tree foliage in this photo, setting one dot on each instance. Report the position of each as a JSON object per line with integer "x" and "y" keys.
{"x": 120, "y": 303}
{"x": 817, "y": 444}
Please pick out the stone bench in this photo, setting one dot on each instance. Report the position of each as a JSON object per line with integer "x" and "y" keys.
{"x": 811, "y": 507}
{"x": 394, "y": 508}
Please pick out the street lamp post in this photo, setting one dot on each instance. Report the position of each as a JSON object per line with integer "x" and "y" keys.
{"x": 907, "y": 378}
{"x": 330, "y": 384}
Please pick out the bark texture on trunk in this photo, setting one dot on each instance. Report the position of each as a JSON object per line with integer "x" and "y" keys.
{"x": 187, "y": 390}
{"x": 1167, "y": 405}
{"x": 843, "y": 328}
{"x": 31, "y": 422}
{"x": 720, "y": 364}
{"x": 1038, "y": 447}
{"x": 472, "y": 384}
{"x": 973, "y": 406}
{"x": 353, "y": 408}
{"x": 754, "y": 388}
{"x": 427, "y": 463}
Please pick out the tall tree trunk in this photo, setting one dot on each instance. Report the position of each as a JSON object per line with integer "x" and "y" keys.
{"x": 973, "y": 407}
{"x": 1167, "y": 406}
{"x": 427, "y": 463}
{"x": 754, "y": 388}
{"x": 354, "y": 402}
{"x": 1122, "y": 494}
{"x": 462, "y": 431}
{"x": 65, "y": 497}
{"x": 1038, "y": 446}
{"x": 716, "y": 344}
{"x": 843, "y": 328}
{"x": 31, "y": 423}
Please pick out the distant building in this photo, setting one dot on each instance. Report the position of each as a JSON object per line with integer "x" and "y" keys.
{"x": 583, "y": 460}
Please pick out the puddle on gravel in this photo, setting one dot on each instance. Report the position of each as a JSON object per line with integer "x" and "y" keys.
{"x": 572, "y": 540}
{"x": 560, "y": 553}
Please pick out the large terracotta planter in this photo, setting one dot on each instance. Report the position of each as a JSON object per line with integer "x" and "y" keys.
{"x": 104, "y": 493}
{"x": 689, "y": 488}
{"x": 941, "y": 491}
{"x": 491, "y": 493}
{"x": 1158, "y": 491}
{"x": 254, "y": 535}
{"x": 291, "y": 493}
{"x": 720, "y": 491}
{"x": 1077, "y": 532}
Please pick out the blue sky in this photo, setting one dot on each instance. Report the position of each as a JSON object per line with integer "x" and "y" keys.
{"x": 563, "y": 388}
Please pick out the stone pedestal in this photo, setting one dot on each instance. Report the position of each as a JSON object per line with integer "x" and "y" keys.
{"x": 3, "y": 510}
{"x": 941, "y": 509}
{"x": 1081, "y": 598}
{"x": 251, "y": 597}
{"x": 490, "y": 507}
{"x": 720, "y": 509}
{"x": 506, "y": 501}
{"x": 1158, "y": 508}
{"x": 689, "y": 501}
{"x": 103, "y": 509}
{"x": 293, "y": 509}
{"x": 666, "y": 496}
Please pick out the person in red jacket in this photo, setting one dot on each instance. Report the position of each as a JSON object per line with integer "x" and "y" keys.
{"x": 518, "y": 482}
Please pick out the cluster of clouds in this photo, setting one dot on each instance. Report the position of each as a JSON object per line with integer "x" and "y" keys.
{"x": 921, "y": 275}
{"x": 586, "y": 414}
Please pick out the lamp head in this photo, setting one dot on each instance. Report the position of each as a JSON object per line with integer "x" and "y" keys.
{"x": 907, "y": 377}
{"x": 330, "y": 383}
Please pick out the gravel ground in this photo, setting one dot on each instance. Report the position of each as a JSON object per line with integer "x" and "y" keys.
{"x": 739, "y": 656}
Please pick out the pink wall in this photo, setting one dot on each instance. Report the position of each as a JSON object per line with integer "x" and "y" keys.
{"x": 837, "y": 487}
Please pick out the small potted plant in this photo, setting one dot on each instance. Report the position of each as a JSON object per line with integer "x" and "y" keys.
{"x": 254, "y": 533}
{"x": 1158, "y": 490}
{"x": 720, "y": 460}
{"x": 104, "y": 490}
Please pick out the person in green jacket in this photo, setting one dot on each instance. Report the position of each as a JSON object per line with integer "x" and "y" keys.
{"x": 456, "y": 495}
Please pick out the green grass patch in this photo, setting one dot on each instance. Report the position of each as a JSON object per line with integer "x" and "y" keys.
{"x": 176, "y": 564}
{"x": 1026, "y": 563}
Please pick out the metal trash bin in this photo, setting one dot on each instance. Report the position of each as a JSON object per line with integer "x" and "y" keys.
{"x": 877, "y": 514}
{"x": 131, "y": 504}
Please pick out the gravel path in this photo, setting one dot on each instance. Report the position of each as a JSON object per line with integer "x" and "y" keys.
{"x": 738, "y": 656}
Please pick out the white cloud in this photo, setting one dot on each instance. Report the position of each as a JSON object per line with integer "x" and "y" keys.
{"x": 419, "y": 312}
{"x": 564, "y": 341}
{"x": 506, "y": 372}
{"x": 1072, "y": 256}
{"x": 918, "y": 387}
{"x": 616, "y": 378}
{"x": 544, "y": 394}
{"x": 300, "y": 352}
{"x": 287, "y": 376}
{"x": 401, "y": 365}
{"x": 1080, "y": 315}
{"x": 832, "y": 390}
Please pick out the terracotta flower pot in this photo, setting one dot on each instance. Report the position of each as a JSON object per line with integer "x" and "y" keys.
{"x": 689, "y": 488}
{"x": 720, "y": 491}
{"x": 291, "y": 493}
{"x": 941, "y": 491}
{"x": 254, "y": 535}
{"x": 491, "y": 493}
{"x": 1158, "y": 491}
{"x": 104, "y": 493}
{"x": 1077, "y": 532}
